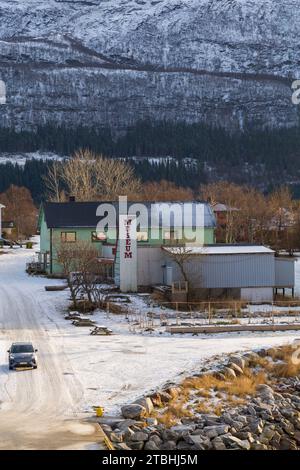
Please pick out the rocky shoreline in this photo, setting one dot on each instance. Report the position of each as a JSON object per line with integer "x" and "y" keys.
{"x": 223, "y": 407}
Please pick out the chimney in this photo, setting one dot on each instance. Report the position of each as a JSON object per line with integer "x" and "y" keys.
{"x": 72, "y": 199}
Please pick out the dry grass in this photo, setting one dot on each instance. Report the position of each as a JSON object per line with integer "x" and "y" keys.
{"x": 218, "y": 409}
{"x": 231, "y": 392}
{"x": 234, "y": 401}
{"x": 281, "y": 354}
{"x": 282, "y": 301}
{"x": 240, "y": 386}
{"x": 257, "y": 361}
{"x": 204, "y": 407}
{"x": 204, "y": 382}
{"x": 167, "y": 419}
{"x": 246, "y": 384}
{"x": 204, "y": 393}
{"x": 176, "y": 410}
{"x": 287, "y": 369}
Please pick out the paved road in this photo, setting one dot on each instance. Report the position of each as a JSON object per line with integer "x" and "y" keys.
{"x": 38, "y": 408}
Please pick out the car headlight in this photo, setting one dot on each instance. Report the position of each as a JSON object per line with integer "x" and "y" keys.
{"x": 12, "y": 356}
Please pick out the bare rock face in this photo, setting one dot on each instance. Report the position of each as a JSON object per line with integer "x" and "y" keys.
{"x": 113, "y": 62}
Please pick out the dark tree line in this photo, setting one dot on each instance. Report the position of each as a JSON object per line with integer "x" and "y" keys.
{"x": 277, "y": 150}
{"x": 29, "y": 176}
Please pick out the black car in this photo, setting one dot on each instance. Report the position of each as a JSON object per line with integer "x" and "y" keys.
{"x": 22, "y": 355}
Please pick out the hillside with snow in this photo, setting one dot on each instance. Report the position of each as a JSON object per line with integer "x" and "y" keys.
{"x": 113, "y": 62}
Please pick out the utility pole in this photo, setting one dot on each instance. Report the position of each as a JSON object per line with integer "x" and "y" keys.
{"x": 1, "y": 207}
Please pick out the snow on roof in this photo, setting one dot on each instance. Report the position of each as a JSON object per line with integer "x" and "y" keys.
{"x": 222, "y": 249}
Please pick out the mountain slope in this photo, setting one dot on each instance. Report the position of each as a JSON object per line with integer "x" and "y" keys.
{"x": 112, "y": 62}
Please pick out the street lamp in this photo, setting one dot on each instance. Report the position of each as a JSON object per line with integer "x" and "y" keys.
{"x": 1, "y": 207}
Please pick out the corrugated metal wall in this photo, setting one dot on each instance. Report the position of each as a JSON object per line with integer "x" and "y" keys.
{"x": 229, "y": 271}
{"x": 208, "y": 271}
{"x": 284, "y": 272}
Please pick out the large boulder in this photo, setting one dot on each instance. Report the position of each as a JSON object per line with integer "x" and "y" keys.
{"x": 286, "y": 443}
{"x": 125, "y": 424}
{"x": 139, "y": 436}
{"x": 168, "y": 445}
{"x": 133, "y": 411}
{"x": 150, "y": 445}
{"x": 218, "y": 443}
{"x": 214, "y": 431}
{"x": 156, "y": 439}
{"x": 239, "y": 361}
{"x": 116, "y": 436}
{"x": 236, "y": 442}
{"x": 170, "y": 435}
{"x": 183, "y": 445}
{"x": 237, "y": 369}
{"x": 138, "y": 445}
{"x": 146, "y": 402}
{"x": 229, "y": 373}
{"x": 165, "y": 397}
{"x": 121, "y": 446}
{"x": 265, "y": 389}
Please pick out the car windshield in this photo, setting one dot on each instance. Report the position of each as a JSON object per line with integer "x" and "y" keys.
{"x": 21, "y": 348}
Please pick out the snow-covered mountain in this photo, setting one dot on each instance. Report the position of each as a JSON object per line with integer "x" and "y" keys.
{"x": 112, "y": 62}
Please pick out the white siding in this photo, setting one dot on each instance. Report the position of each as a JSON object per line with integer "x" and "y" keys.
{"x": 150, "y": 261}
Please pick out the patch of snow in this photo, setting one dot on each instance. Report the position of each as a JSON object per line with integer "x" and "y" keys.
{"x": 22, "y": 158}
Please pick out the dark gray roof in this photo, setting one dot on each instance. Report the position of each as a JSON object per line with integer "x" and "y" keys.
{"x": 83, "y": 214}
{"x": 71, "y": 214}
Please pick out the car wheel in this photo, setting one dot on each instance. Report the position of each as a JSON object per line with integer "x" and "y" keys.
{"x": 35, "y": 367}
{"x": 10, "y": 367}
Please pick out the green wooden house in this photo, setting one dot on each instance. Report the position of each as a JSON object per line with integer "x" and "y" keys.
{"x": 69, "y": 222}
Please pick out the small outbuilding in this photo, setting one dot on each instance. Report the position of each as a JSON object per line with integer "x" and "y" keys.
{"x": 246, "y": 272}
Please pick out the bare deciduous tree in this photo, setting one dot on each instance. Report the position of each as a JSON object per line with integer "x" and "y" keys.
{"x": 88, "y": 176}
{"x": 20, "y": 209}
{"x": 79, "y": 264}
{"x": 181, "y": 255}
{"x": 115, "y": 177}
{"x": 53, "y": 182}
{"x": 231, "y": 195}
{"x": 255, "y": 218}
{"x": 165, "y": 191}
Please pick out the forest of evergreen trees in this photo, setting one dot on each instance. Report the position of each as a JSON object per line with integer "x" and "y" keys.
{"x": 278, "y": 150}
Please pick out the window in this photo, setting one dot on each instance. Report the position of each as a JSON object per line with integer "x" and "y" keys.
{"x": 170, "y": 235}
{"x": 68, "y": 237}
{"x": 98, "y": 236}
{"x": 142, "y": 236}
{"x": 21, "y": 348}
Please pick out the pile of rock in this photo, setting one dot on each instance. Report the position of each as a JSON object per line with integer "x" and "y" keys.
{"x": 269, "y": 421}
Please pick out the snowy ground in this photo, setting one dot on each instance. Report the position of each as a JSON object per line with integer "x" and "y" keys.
{"x": 76, "y": 370}
{"x": 22, "y": 157}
